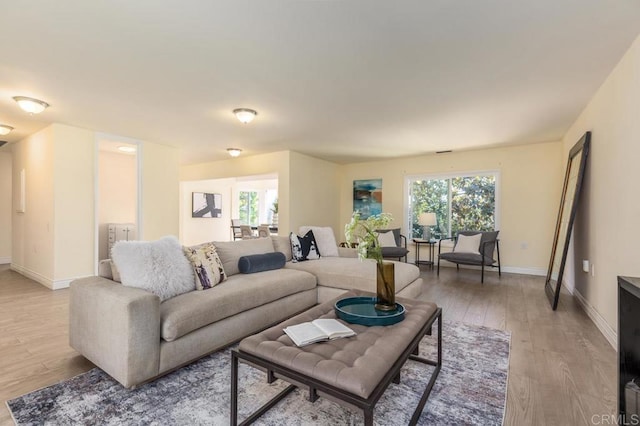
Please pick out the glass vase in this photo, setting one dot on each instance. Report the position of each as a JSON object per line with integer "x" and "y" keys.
{"x": 385, "y": 287}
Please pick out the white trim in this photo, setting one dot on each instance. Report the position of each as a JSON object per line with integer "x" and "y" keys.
{"x": 5, "y": 260}
{"x": 508, "y": 269}
{"x": 598, "y": 320}
{"x": 41, "y": 279}
{"x": 524, "y": 271}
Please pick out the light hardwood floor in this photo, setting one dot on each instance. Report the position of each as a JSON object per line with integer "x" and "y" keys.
{"x": 562, "y": 370}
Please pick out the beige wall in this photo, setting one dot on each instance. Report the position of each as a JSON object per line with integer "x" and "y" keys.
{"x": 199, "y": 230}
{"x": 117, "y": 186}
{"x": 530, "y": 184}
{"x": 606, "y": 230}
{"x": 276, "y": 163}
{"x": 33, "y": 230}
{"x": 73, "y": 184}
{"x": 315, "y": 198}
{"x": 53, "y": 241}
{"x": 5, "y": 207}
{"x": 160, "y": 189}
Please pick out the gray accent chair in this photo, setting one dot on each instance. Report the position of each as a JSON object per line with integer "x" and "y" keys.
{"x": 400, "y": 250}
{"x": 488, "y": 243}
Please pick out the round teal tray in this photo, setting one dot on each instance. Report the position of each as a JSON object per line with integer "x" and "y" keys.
{"x": 361, "y": 310}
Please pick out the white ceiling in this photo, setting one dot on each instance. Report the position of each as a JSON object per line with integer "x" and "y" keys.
{"x": 345, "y": 80}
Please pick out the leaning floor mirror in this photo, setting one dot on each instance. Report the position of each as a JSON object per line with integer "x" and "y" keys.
{"x": 566, "y": 215}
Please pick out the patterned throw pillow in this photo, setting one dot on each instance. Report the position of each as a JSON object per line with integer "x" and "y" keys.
{"x": 304, "y": 248}
{"x": 207, "y": 266}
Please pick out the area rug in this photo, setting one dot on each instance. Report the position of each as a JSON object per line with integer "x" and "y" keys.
{"x": 471, "y": 389}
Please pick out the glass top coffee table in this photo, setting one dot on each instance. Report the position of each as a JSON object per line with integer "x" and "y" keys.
{"x": 350, "y": 379}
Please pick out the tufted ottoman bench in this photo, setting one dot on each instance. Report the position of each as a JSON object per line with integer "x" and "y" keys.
{"x": 355, "y": 370}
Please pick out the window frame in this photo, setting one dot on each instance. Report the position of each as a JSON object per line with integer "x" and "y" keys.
{"x": 406, "y": 223}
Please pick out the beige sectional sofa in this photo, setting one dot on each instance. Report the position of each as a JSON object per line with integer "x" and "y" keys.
{"x": 134, "y": 337}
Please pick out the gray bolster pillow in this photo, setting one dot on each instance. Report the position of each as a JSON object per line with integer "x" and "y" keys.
{"x": 261, "y": 262}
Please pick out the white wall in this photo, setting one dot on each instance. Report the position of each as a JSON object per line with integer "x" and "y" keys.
{"x": 275, "y": 163}
{"x": 196, "y": 230}
{"x": 606, "y": 230}
{"x": 5, "y": 207}
{"x": 117, "y": 186}
{"x": 530, "y": 185}
{"x": 32, "y": 231}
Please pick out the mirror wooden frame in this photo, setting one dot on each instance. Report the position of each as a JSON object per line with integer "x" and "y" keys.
{"x": 566, "y": 217}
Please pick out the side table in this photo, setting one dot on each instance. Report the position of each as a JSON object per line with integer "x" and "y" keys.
{"x": 418, "y": 242}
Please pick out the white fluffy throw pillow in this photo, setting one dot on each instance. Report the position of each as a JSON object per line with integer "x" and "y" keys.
{"x": 325, "y": 239}
{"x": 468, "y": 244}
{"x": 159, "y": 267}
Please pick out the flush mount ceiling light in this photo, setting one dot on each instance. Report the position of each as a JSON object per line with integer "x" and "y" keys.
{"x": 127, "y": 149}
{"x": 234, "y": 152}
{"x": 4, "y": 129}
{"x": 31, "y": 105}
{"x": 245, "y": 115}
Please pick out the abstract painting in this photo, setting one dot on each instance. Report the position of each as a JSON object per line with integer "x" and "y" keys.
{"x": 367, "y": 197}
{"x": 206, "y": 205}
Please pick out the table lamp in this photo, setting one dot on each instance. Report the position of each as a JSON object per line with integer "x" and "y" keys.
{"x": 427, "y": 220}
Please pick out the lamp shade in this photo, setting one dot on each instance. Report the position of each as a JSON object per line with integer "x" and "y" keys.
{"x": 427, "y": 219}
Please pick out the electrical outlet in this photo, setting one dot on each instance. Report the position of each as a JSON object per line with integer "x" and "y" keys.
{"x": 585, "y": 266}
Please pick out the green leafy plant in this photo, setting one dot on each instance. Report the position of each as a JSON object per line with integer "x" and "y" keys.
{"x": 364, "y": 232}
{"x": 274, "y": 207}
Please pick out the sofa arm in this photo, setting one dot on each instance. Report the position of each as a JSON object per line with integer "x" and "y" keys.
{"x": 116, "y": 327}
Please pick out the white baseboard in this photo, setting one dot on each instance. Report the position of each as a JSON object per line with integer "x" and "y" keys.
{"x": 603, "y": 326}
{"x": 41, "y": 279}
{"x": 509, "y": 269}
{"x": 5, "y": 260}
{"x": 524, "y": 271}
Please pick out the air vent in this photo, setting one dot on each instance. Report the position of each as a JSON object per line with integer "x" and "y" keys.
{"x": 443, "y": 152}
{"x": 2, "y": 143}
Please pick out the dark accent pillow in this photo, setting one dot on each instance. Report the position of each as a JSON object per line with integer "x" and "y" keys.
{"x": 304, "y": 248}
{"x": 261, "y": 262}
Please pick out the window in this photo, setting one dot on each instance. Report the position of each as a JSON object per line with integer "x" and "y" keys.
{"x": 460, "y": 202}
{"x": 248, "y": 207}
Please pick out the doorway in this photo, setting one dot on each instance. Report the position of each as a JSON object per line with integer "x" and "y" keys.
{"x": 117, "y": 201}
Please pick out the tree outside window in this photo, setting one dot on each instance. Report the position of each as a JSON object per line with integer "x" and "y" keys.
{"x": 460, "y": 203}
{"x": 248, "y": 207}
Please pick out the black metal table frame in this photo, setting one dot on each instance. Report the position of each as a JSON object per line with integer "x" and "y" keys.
{"x": 367, "y": 405}
{"x": 431, "y": 262}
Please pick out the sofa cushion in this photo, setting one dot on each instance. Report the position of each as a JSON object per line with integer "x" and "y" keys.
{"x": 238, "y": 293}
{"x": 159, "y": 267}
{"x": 349, "y": 273}
{"x": 283, "y": 245}
{"x": 230, "y": 252}
{"x": 261, "y": 262}
{"x": 326, "y": 241}
{"x": 206, "y": 264}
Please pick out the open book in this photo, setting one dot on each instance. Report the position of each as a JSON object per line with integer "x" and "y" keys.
{"x": 317, "y": 331}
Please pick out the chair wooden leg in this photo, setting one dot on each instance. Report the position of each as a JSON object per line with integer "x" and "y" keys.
{"x": 458, "y": 266}
{"x": 438, "y": 266}
{"x": 482, "y": 278}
